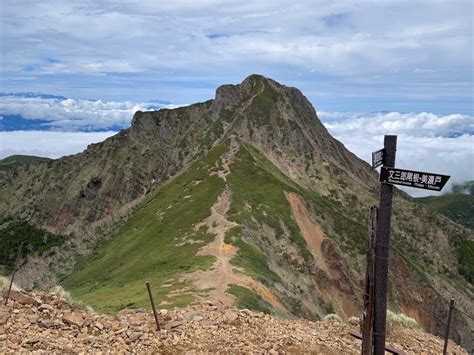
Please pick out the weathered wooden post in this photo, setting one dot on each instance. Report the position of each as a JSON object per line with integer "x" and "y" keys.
{"x": 153, "y": 305}
{"x": 446, "y": 337}
{"x": 382, "y": 247}
{"x": 389, "y": 176}
{"x": 17, "y": 261}
{"x": 368, "y": 316}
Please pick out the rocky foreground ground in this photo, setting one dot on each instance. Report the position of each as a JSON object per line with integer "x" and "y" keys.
{"x": 44, "y": 322}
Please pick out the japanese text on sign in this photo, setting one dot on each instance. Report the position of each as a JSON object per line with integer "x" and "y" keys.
{"x": 417, "y": 179}
{"x": 377, "y": 158}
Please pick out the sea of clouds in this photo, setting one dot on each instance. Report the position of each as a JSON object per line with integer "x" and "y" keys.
{"x": 64, "y": 114}
{"x": 426, "y": 141}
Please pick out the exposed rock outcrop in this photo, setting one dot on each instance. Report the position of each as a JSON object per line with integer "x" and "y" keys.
{"x": 90, "y": 195}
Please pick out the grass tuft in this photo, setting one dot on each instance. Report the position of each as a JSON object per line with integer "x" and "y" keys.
{"x": 353, "y": 321}
{"x": 66, "y": 295}
{"x": 5, "y": 283}
{"x": 403, "y": 321}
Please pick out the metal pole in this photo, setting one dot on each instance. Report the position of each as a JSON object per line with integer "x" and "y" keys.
{"x": 446, "y": 337}
{"x": 382, "y": 250}
{"x": 153, "y": 305}
{"x": 368, "y": 316}
{"x": 17, "y": 261}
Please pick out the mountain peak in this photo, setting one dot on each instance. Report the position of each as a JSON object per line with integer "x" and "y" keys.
{"x": 255, "y": 79}
{"x": 281, "y": 201}
{"x": 229, "y": 94}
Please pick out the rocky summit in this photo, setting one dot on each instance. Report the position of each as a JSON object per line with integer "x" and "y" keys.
{"x": 245, "y": 199}
{"x": 45, "y": 323}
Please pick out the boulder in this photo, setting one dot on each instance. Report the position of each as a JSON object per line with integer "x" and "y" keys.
{"x": 73, "y": 318}
{"x": 230, "y": 315}
{"x": 22, "y": 298}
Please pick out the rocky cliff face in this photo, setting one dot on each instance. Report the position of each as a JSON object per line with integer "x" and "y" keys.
{"x": 88, "y": 186}
{"x": 246, "y": 198}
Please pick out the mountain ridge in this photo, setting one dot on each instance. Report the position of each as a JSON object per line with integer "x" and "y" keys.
{"x": 13, "y": 161}
{"x": 288, "y": 177}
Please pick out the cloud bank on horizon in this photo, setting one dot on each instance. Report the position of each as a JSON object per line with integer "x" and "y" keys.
{"x": 36, "y": 111}
{"x": 358, "y": 56}
{"x": 45, "y": 125}
{"x": 426, "y": 142}
{"x": 409, "y": 60}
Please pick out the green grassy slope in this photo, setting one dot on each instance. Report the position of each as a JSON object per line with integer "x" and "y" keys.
{"x": 257, "y": 182}
{"x": 254, "y": 181}
{"x": 146, "y": 248}
{"x": 114, "y": 276}
{"x": 12, "y": 162}
{"x": 150, "y": 245}
{"x": 457, "y": 207}
{"x": 247, "y": 299}
{"x": 258, "y": 200}
{"x": 466, "y": 260}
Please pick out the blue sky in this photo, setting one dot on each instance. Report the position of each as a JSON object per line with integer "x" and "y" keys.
{"x": 345, "y": 55}
{"x": 413, "y": 60}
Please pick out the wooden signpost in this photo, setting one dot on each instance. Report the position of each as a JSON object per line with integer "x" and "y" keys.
{"x": 410, "y": 178}
{"x": 382, "y": 250}
{"x": 368, "y": 315}
{"x": 378, "y": 270}
{"x": 377, "y": 158}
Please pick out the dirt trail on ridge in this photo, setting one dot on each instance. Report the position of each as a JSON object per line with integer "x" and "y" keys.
{"x": 223, "y": 273}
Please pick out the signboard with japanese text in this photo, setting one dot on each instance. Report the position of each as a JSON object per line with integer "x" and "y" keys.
{"x": 377, "y": 158}
{"x": 418, "y": 179}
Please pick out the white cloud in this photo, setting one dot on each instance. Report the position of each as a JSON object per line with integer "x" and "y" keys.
{"x": 360, "y": 39}
{"x": 425, "y": 141}
{"x": 419, "y": 124}
{"x": 72, "y": 115}
{"x": 48, "y": 144}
